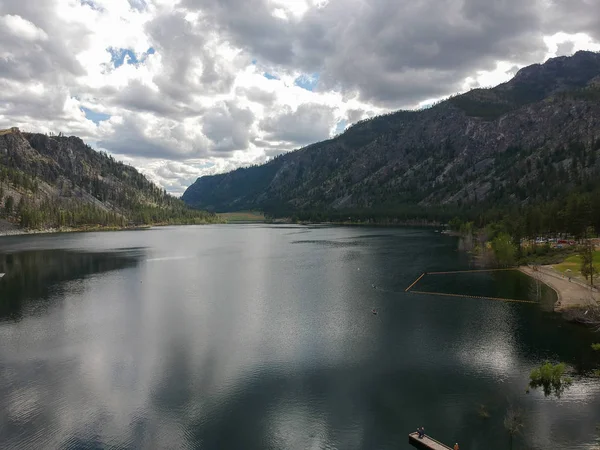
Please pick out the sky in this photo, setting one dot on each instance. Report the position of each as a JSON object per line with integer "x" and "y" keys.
{"x": 181, "y": 89}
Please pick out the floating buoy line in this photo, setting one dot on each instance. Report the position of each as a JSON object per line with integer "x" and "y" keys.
{"x": 409, "y": 289}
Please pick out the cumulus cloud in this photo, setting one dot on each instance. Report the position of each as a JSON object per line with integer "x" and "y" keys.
{"x": 565, "y": 48}
{"x": 20, "y": 28}
{"x": 256, "y": 94}
{"x": 202, "y": 86}
{"x": 310, "y": 122}
{"x": 176, "y": 176}
{"x": 388, "y": 52}
{"x": 144, "y": 135}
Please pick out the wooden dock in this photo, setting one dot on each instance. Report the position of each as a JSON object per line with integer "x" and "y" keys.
{"x": 426, "y": 443}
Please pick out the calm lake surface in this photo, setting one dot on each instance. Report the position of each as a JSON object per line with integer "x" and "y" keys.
{"x": 262, "y": 337}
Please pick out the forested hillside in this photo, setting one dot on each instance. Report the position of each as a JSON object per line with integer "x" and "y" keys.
{"x": 528, "y": 147}
{"x": 58, "y": 181}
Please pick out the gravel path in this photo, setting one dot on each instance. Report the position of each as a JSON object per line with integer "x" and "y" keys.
{"x": 570, "y": 293}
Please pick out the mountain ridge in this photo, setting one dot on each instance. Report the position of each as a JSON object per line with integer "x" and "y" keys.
{"x": 49, "y": 181}
{"x": 502, "y": 145}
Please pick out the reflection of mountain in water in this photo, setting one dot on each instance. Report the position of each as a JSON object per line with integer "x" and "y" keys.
{"x": 32, "y": 276}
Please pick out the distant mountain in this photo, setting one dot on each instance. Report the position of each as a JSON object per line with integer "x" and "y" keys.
{"x": 58, "y": 181}
{"x": 531, "y": 140}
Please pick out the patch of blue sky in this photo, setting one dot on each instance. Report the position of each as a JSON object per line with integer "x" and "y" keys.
{"x": 118, "y": 56}
{"x": 270, "y": 76}
{"x": 92, "y": 5}
{"x": 308, "y": 82}
{"x": 94, "y": 116}
{"x": 203, "y": 164}
{"x": 341, "y": 126}
{"x": 139, "y": 5}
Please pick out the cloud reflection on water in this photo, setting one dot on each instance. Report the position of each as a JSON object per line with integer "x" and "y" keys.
{"x": 272, "y": 345}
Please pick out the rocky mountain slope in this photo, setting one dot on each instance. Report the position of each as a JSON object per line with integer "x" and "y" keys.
{"x": 57, "y": 181}
{"x": 530, "y": 140}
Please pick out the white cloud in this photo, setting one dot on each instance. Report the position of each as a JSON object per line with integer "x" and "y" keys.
{"x": 22, "y": 29}
{"x": 201, "y": 86}
{"x": 310, "y": 122}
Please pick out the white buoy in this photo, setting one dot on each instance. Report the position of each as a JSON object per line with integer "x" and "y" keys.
{"x": 2, "y": 274}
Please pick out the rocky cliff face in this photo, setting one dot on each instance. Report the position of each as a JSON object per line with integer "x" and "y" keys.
{"x": 527, "y": 140}
{"x": 38, "y": 166}
{"x": 48, "y": 181}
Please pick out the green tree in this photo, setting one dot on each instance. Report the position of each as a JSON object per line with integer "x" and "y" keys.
{"x": 588, "y": 270}
{"x": 551, "y": 378}
{"x": 9, "y": 204}
{"x": 455, "y": 224}
{"x": 466, "y": 228}
{"x": 504, "y": 249}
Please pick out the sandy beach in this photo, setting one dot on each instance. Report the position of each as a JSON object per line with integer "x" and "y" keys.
{"x": 571, "y": 294}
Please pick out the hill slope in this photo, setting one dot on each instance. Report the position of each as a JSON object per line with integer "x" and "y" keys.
{"x": 528, "y": 141}
{"x": 54, "y": 181}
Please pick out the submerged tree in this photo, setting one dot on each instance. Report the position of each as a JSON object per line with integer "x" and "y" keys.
{"x": 596, "y": 347}
{"x": 483, "y": 412}
{"x": 513, "y": 422}
{"x": 551, "y": 378}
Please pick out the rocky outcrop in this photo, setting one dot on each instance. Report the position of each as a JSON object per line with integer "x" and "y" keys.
{"x": 59, "y": 181}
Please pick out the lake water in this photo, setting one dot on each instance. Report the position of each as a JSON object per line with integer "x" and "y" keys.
{"x": 262, "y": 337}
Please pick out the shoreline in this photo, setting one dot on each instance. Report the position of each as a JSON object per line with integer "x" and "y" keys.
{"x": 8, "y": 229}
{"x": 25, "y": 232}
{"x": 91, "y": 229}
{"x": 572, "y": 295}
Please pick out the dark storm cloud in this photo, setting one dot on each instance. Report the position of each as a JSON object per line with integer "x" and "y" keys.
{"x": 573, "y": 16}
{"x": 397, "y": 52}
{"x": 309, "y": 123}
